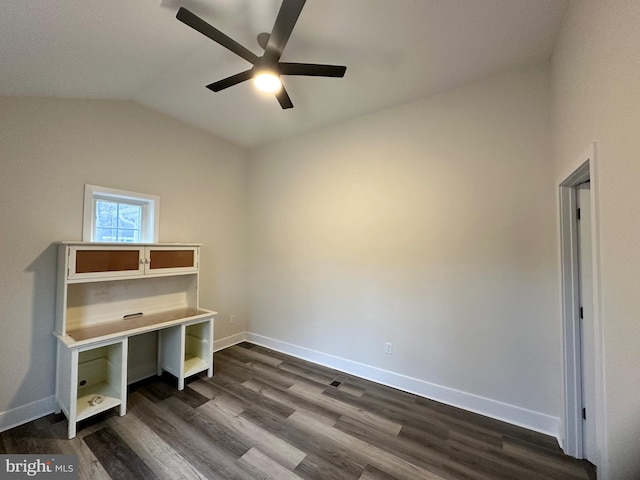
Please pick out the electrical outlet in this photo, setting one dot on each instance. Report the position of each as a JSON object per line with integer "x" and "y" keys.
{"x": 388, "y": 348}
{"x": 232, "y": 319}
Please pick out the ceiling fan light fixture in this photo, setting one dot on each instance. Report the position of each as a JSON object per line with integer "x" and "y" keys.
{"x": 267, "y": 82}
{"x": 266, "y": 69}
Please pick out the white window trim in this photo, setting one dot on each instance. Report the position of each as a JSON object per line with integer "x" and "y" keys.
{"x": 149, "y": 202}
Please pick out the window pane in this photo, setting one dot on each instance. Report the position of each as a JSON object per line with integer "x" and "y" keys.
{"x": 106, "y": 235}
{"x": 118, "y": 222}
{"x": 106, "y": 213}
{"x": 119, "y": 216}
{"x": 128, "y": 235}
{"x": 129, "y": 216}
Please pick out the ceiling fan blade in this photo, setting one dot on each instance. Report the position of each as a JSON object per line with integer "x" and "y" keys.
{"x": 195, "y": 22}
{"x": 230, "y": 81}
{"x": 283, "y": 98}
{"x": 311, "y": 69}
{"x": 285, "y": 21}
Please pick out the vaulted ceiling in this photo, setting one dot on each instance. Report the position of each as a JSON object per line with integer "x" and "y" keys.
{"x": 396, "y": 51}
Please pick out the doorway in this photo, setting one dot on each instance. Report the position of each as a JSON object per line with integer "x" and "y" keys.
{"x": 580, "y": 306}
{"x": 585, "y": 320}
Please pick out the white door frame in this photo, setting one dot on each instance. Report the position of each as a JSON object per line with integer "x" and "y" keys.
{"x": 584, "y": 169}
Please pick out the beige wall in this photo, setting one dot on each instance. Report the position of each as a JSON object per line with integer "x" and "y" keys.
{"x": 49, "y": 149}
{"x": 432, "y": 226}
{"x": 596, "y": 81}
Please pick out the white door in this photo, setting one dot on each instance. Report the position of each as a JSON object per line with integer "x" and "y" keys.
{"x": 587, "y": 348}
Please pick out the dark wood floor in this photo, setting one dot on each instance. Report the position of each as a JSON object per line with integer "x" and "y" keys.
{"x": 267, "y": 415}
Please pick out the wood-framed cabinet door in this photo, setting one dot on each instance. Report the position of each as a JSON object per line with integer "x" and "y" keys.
{"x": 86, "y": 262}
{"x": 171, "y": 259}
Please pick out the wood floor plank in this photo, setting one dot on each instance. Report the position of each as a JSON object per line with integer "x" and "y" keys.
{"x": 314, "y": 467}
{"x": 427, "y": 438}
{"x": 117, "y": 458}
{"x": 208, "y": 429}
{"x": 295, "y": 360}
{"x": 467, "y": 423}
{"x": 373, "y": 473}
{"x": 342, "y": 408}
{"x": 292, "y": 378}
{"x": 375, "y": 456}
{"x": 163, "y": 460}
{"x": 543, "y": 456}
{"x": 28, "y": 439}
{"x": 400, "y": 414}
{"x": 265, "y": 414}
{"x": 260, "y": 466}
{"x": 307, "y": 373}
{"x": 274, "y": 379}
{"x": 156, "y": 389}
{"x": 251, "y": 398}
{"x": 216, "y": 388}
{"x": 48, "y": 420}
{"x": 291, "y": 360}
{"x": 253, "y": 435}
{"x": 437, "y": 458}
{"x": 474, "y": 438}
{"x": 229, "y": 403}
{"x": 296, "y": 403}
{"x": 204, "y": 388}
{"x": 197, "y": 449}
{"x": 508, "y": 464}
{"x": 88, "y": 464}
{"x": 251, "y": 354}
{"x": 191, "y": 397}
{"x": 228, "y": 374}
{"x": 351, "y": 389}
{"x": 379, "y": 389}
{"x": 465, "y": 420}
{"x": 344, "y": 459}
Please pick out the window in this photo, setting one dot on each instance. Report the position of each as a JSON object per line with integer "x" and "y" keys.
{"x": 112, "y": 215}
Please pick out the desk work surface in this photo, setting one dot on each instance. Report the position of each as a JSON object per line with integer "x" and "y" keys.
{"x": 134, "y": 325}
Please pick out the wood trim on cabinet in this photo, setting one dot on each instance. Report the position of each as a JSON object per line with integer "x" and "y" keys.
{"x": 171, "y": 258}
{"x": 91, "y": 261}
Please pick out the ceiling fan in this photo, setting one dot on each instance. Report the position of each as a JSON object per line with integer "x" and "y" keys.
{"x": 267, "y": 68}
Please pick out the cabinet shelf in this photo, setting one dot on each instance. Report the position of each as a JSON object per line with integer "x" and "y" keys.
{"x": 193, "y": 365}
{"x": 111, "y": 398}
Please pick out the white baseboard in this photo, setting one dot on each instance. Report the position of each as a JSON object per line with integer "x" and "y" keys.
{"x": 523, "y": 417}
{"x": 26, "y": 413}
{"x": 228, "y": 341}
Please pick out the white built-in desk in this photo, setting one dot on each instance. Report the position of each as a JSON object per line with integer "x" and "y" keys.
{"x": 111, "y": 294}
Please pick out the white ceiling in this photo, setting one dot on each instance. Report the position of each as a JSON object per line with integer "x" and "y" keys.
{"x": 395, "y": 51}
